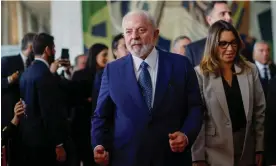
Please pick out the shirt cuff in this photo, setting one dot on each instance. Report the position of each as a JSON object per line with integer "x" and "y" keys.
{"x": 59, "y": 145}
{"x": 186, "y": 138}
{"x": 9, "y": 79}
{"x": 67, "y": 76}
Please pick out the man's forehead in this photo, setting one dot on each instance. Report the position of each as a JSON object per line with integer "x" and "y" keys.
{"x": 221, "y": 7}
{"x": 263, "y": 45}
{"x": 135, "y": 21}
{"x": 184, "y": 41}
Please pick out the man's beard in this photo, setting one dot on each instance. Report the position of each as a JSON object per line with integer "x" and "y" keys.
{"x": 141, "y": 51}
{"x": 30, "y": 58}
{"x": 51, "y": 59}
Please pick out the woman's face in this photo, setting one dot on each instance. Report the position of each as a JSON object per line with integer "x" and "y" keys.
{"x": 227, "y": 47}
{"x": 121, "y": 50}
{"x": 101, "y": 58}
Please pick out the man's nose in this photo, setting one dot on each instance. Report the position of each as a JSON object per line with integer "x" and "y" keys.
{"x": 134, "y": 35}
{"x": 229, "y": 47}
{"x": 228, "y": 18}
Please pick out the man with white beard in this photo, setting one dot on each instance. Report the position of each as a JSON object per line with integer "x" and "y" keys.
{"x": 152, "y": 99}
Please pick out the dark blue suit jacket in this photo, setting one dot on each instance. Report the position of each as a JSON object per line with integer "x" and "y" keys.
{"x": 138, "y": 136}
{"x": 10, "y": 92}
{"x": 195, "y": 51}
{"x": 44, "y": 124}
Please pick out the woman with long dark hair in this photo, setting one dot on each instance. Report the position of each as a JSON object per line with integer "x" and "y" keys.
{"x": 233, "y": 131}
{"x": 97, "y": 59}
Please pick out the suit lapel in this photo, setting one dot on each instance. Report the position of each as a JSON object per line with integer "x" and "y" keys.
{"x": 128, "y": 76}
{"x": 244, "y": 88}
{"x": 20, "y": 63}
{"x": 217, "y": 86}
{"x": 272, "y": 69}
{"x": 163, "y": 77}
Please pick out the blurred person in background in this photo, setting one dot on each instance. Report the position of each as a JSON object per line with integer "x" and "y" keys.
{"x": 233, "y": 130}
{"x": 9, "y": 133}
{"x": 119, "y": 46}
{"x": 179, "y": 45}
{"x": 84, "y": 79}
{"x": 267, "y": 70}
{"x": 43, "y": 127}
{"x": 80, "y": 62}
{"x": 216, "y": 10}
{"x": 11, "y": 69}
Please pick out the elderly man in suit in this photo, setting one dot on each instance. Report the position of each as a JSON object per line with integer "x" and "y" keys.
{"x": 266, "y": 68}
{"x": 149, "y": 110}
{"x": 11, "y": 69}
{"x": 216, "y": 10}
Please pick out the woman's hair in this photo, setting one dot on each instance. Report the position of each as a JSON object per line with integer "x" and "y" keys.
{"x": 93, "y": 51}
{"x": 115, "y": 43}
{"x": 210, "y": 62}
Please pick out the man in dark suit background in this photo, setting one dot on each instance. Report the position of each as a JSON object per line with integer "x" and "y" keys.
{"x": 11, "y": 68}
{"x": 266, "y": 68}
{"x": 216, "y": 10}
{"x": 43, "y": 126}
{"x": 270, "y": 125}
{"x": 153, "y": 99}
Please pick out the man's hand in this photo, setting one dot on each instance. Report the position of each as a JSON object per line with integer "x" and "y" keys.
{"x": 259, "y": 159}
{"x": 66, "y": 63}
{"x": 178, "y": 141}
{"x": 89, "y": 99}
{"x": 14, "y": 77}
{"x": 67, "y": 67}
{"x": 101, "y": 156}
{"x": 60, "y": 154}
{"x": 54, "y": 66}
{"x": 19, "y": 109}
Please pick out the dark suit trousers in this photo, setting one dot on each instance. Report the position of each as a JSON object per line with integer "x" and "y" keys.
{"x": 38, "y": 156}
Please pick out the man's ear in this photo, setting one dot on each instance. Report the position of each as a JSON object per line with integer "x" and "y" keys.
{"x": 30, "y": 47}
{"x": 174, "y": 50}
{"x": 156, "y": 33}
{"x": 209, "y": 20}
{"x": 48, "y": 50}
{"x": 156, "y": 36}
{"x": 115, "y": 52}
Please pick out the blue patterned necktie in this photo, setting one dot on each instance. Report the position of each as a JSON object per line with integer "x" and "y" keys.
{"x": 144, "y": 81}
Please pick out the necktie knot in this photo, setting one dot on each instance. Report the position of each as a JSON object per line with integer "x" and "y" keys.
{"x": 144, "y": 65}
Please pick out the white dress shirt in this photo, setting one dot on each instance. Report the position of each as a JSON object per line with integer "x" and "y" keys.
{"x": 261, "y": 69}
{"x": 24, "y": 59}
{"x": 152, "y": 61}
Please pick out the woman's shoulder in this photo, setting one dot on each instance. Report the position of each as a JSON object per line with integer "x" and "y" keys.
{"x": 252, "y": 68}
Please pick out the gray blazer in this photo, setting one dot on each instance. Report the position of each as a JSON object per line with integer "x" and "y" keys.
{"x": 214, "y": 143}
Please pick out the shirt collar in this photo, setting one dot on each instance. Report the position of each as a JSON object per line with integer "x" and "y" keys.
{"x": 151, "y": 60}
{"x": 24, "y": 58}
{"x": 261, "y": 66}
{"x": 42, "y": 60}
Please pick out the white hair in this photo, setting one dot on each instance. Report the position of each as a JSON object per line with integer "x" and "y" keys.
{"x": 143, "y": 13}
